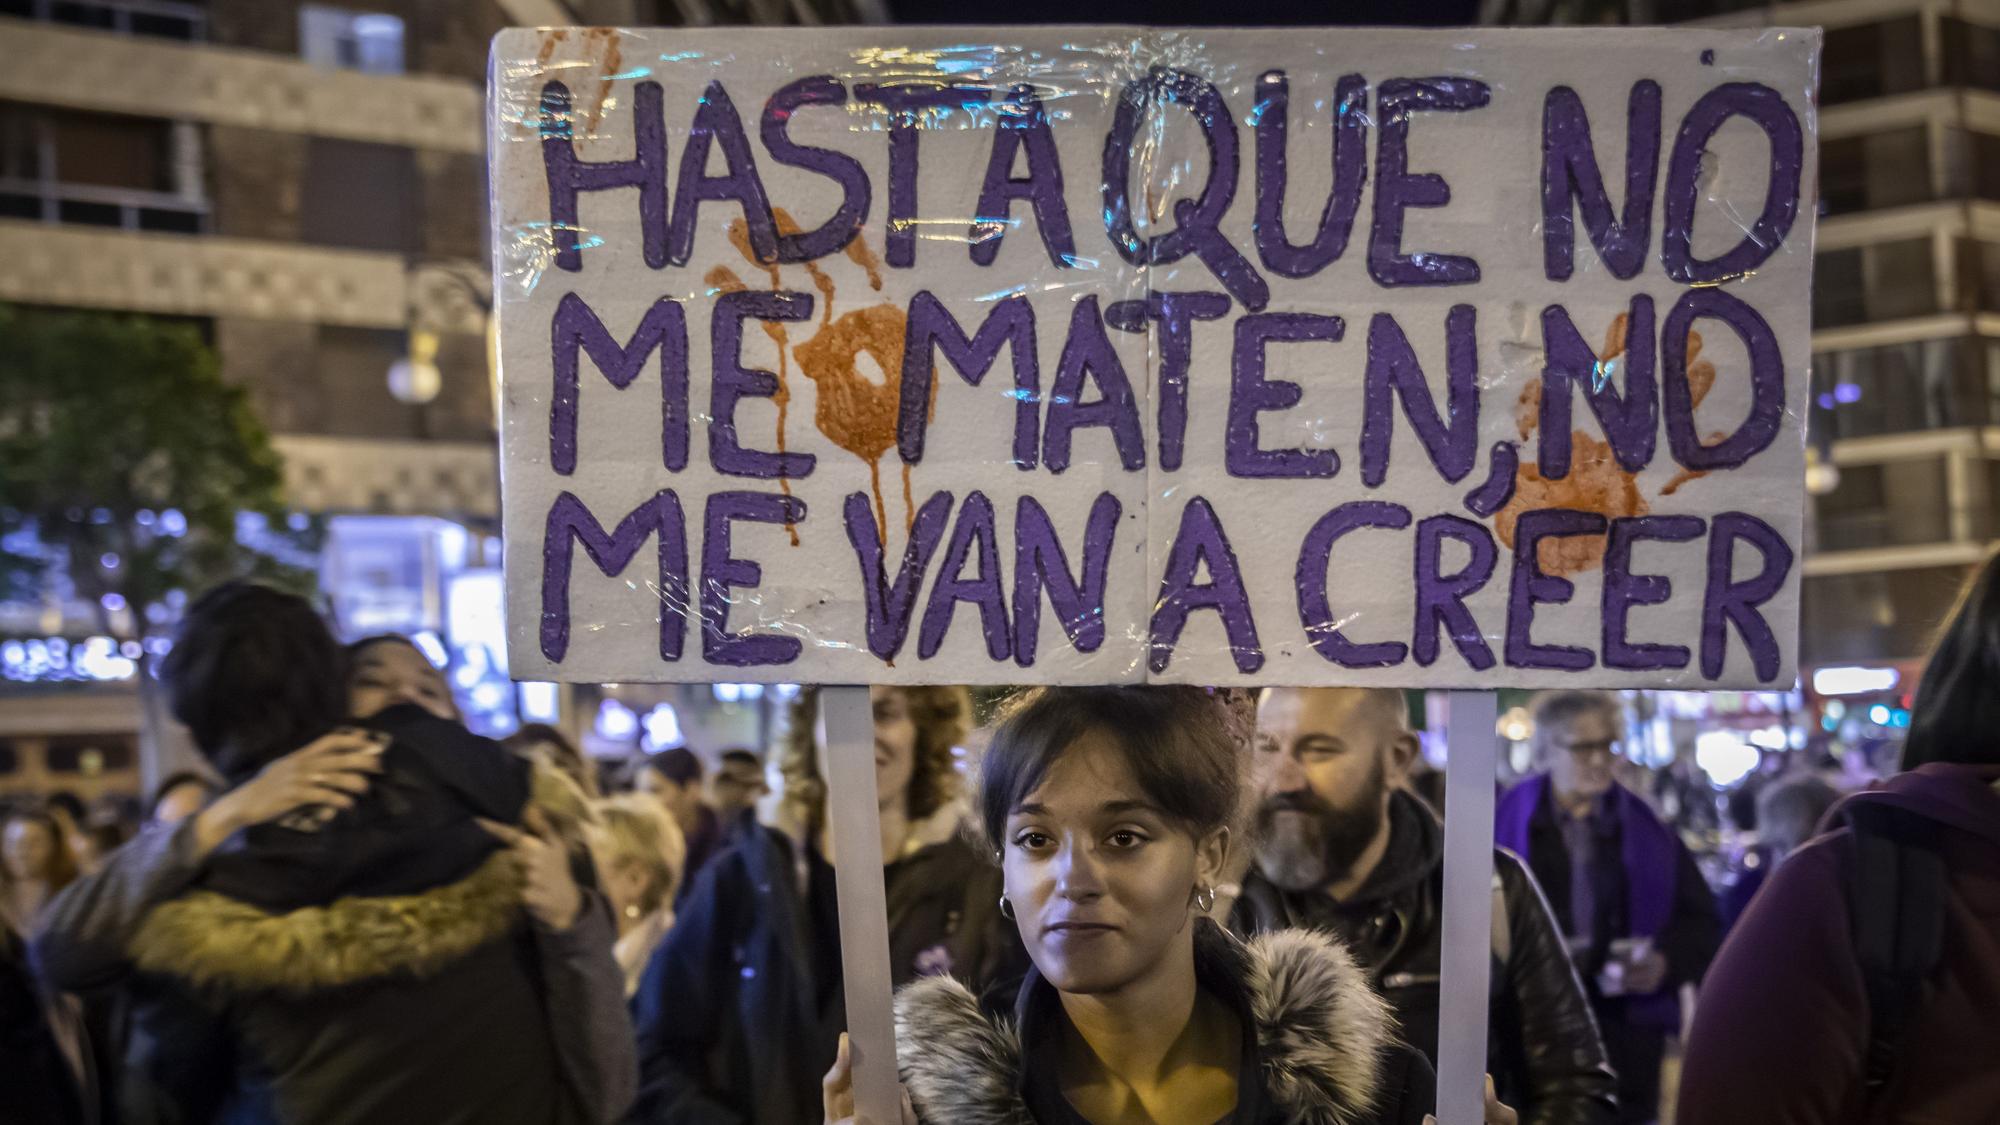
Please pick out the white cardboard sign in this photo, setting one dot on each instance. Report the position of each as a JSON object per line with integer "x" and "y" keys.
{"x": 1101, "y": 355}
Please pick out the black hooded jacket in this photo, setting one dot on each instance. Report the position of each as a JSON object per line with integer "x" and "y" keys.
{"x": 376, "y": 967}
{"x": 1544, "y": 1051}
{"x": 37, "y": 1084}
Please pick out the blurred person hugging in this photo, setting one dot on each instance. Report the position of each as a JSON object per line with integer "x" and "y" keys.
{"x": 374, "y": 921}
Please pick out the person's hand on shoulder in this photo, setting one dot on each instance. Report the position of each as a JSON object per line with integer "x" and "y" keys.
{"x": 325, "y": 776}
{"x": 548, "y": 887}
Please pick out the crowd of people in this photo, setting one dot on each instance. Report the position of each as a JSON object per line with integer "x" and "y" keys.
{"x": 1157, "y": 904}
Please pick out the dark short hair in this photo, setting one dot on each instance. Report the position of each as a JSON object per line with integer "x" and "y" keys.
{"x": 1957, "y": 712}
{"x": 356, "y": 648}
{"x": 741, "y": 756}
{"x": 254, "y": 674}
{"x": 559, "y": 751}
{"x": 678, "y": 765}
{"x": 532, "y": 734}
{"x": 1177, "y": 740}
{"x": 174, "y": 781}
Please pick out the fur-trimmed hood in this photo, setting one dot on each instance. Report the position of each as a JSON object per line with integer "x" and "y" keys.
{"x": 1322, "y": 1034}
{"x": 215, "y": 940}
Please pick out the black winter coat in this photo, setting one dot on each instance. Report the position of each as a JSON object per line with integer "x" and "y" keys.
{"x": 37, "y": 1084}
{"x": 378, "y": 967}
{"x": 741, "y": 1008}
{"x": 1543, "y": 1047}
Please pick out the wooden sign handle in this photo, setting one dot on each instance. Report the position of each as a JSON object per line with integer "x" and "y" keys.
{"x": 864, "y": 914}
{"x": 1467, "y": 953}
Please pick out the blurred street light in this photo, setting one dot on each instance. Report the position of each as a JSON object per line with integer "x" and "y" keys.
{"x": 415, "y": 379}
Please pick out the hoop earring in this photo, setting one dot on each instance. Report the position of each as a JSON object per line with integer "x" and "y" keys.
{"x": 1204, "y": 899}
{"x": 1006, "y": 908}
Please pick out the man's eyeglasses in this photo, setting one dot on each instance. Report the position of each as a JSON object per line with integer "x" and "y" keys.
{"x": 1593, "y": 751}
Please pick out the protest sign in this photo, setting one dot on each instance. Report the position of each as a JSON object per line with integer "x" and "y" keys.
{"x": 1108, "y": 355}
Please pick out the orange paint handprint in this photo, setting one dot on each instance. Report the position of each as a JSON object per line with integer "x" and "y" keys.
{"x": 855, "y": 412}
{"x": 1596, "y": 482}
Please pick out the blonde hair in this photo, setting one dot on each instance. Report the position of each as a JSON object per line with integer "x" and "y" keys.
{"x": 635, "y": 829}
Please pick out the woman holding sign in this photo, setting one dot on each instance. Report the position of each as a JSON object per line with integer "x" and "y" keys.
{"x": 739, "y": 1011}
{"x": 1109, "y": 809}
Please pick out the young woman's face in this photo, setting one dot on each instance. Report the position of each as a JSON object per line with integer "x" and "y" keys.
{"x": 28, "y": 848}
{"x": 895, "y": 743}
{"x": 389, "y": 673}
{"x": 1101, "y": 881}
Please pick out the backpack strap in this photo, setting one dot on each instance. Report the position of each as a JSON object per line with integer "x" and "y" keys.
{"x": 1897, "y": 909}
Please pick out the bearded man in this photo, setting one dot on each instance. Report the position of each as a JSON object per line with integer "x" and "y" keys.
{"x": 1344, "y": 846}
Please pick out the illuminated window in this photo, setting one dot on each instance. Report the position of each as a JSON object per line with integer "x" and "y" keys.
{"x": 339, "y": 39}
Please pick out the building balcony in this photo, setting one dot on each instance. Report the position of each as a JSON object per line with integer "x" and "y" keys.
{"x": 1876, "y": 48}
{"x": 91, "y": 205}
{"x": 1921, "y": 385}
{"x": 1890, "y": 544}
{"x": 338, "y": 475}
{"x": 124, "y": 74}
{"x": 1913, "y": 272}
{"x": 1885, "y": 608}
{"x": 1910, "y": 150}
{"x": 1906, "y": 500}
{"x": 158, "y": 19}
{"x": 225, "y": 277}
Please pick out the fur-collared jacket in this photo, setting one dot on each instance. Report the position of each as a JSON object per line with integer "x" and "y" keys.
{"x": 379, "y": 967}
{"x": 1324, "y": 1049}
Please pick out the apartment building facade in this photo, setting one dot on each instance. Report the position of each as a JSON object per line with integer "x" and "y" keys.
{"x": 1905, "y": 411}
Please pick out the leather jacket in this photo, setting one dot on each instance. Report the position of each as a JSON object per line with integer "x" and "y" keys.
{"x": 1543, "y": 1049}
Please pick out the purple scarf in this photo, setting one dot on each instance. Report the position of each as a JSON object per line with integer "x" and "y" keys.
{"x": 1650, "y": 854}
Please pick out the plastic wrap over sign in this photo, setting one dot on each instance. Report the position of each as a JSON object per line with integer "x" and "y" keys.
{"x": 1107, "y": 355}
